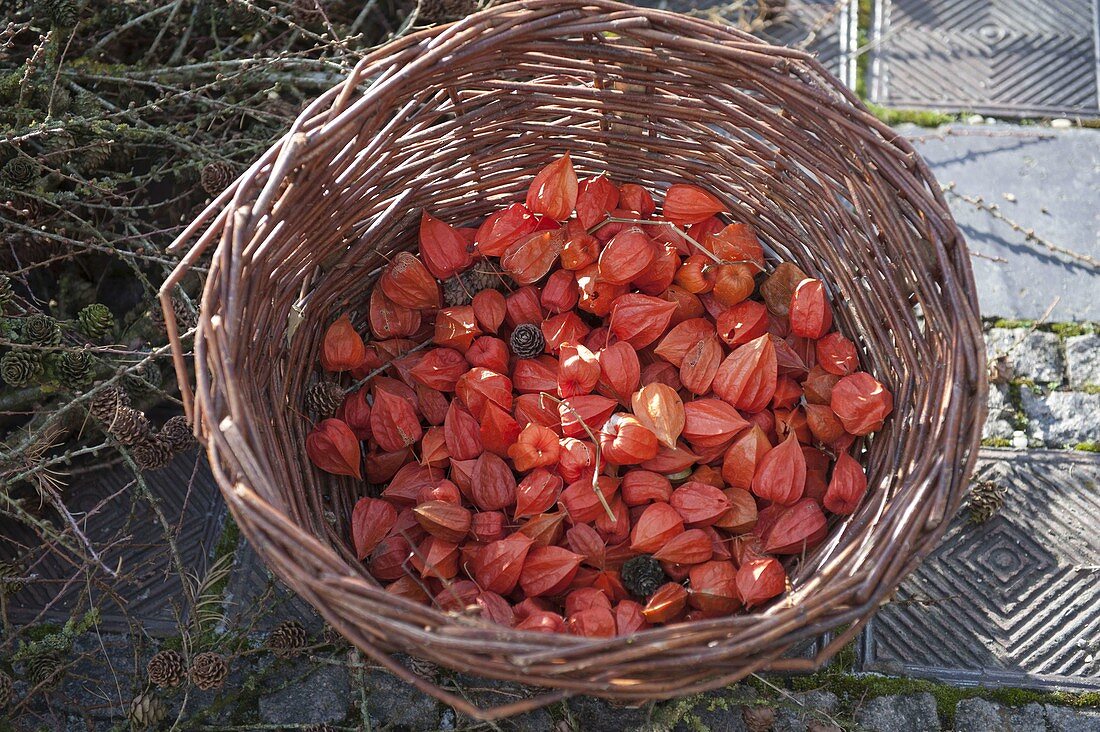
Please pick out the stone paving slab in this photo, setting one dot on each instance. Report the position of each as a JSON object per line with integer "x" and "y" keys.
{"x": 1041, "y": 178}
{"x": 1005, "y": 57}
{"x": 1013, "y": 601}
{"x": 124, "y": 529}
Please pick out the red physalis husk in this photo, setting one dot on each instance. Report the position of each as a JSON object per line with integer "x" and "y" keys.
{"x": 662, "y": 372}
{"x": 658, "y": 407}
{"x": 548, "y": 570}
{"x": 797, "y": 528}
{"x": 442, "y": 490}
{"x": 626, "y": 256}
{"x": 523, "y": 306}
{"x": 737, "y": 243}
{"x": 733, "y": 283}
{"x": 817, "y": 469}
{"x": 688, "y": 306}
{"x": 625, "y": 441}
{"x": 535, "y": 375}
{"x": 495, "y": 609}
{"x": 462, "y": 433}
{"x": 490, "y": 353}
{"x": 787, "y": 393}
{"x": 480, "y": 386}
{"x": 629, "y": 618}
{"x": 498, "y": 431}
{"x": 778, "y": 289}
{"x": 836, "y": 354}
{"x": 500, "y": 563}
{"x": 407, "y": 482}
{"x": 708, "y": 474}
{"x": 355, "y": 412}
{"x": 578, "y": 370}
{"x": 635, "y": 198}
{"x": 456, "y": 327}
{"x": 742, "y": 514}
{"x": 439, "y": 369}
{"x": 711, "y": 423}
{"x": 712, "y": 588}
{"x": 759, "y": 580}
{"x": 671, "y": 460}
{"x": 687, "y": 204}
{"x": 545, "y": 529}
{"x": 493, "y": 486}
{"x": 409, "y": 588}
{"x": 666, "y": 604}
{"x": 659, "y": 275}
{"x": 592, "y": 409}
{"x": 824, "y": 425}
{"x": 542, "y": 621}
{"x": 596, "y": 198}
{"x": 682, "y": 338}
{"x": 781, "y": 474}
{"x": 342, "y": 348}
{"x": 691, "y": 547}
{"x": 595, "y": 295}
{"x": 530, "y": 605}
{"x": 443, "y": 249}
{"x": 810, "y": 315}
{"x": 740, "y": 462}
{"x": 846, "y": 487}
{"x": 744, "y": 322}
{"x": 503, "y": 228}
{"x": 657, "y": 524}
{"x": 617, "y": 530}
{"x": 457, "y": 596}
{"x": 563, "y": 328}
{"x": 394, "y": 422}
{"x": 390, "y": 558}
{"x": 640, "y": 319}
{"x": 792, "y": 421}
{"x": 639, "y": 487}
{"x": 699, "y": 504}
{"x": 390, "y": 320}
{"x": 594, "y": 622}
{"x": 584, "y": 598}
{"x": 700, "y": 365}
{"x": 559, "y": 294}
{"x": 696, "y": 275}
{"x": 575, "y": 458}
{"x": 536, "y": 409}
{"x": 490, "y": 307}
{"x": 586, "y": 541}
{"x": 620, "y": 372}
{"x": 435, "y": 557}
{"x": 818, "y": 385}
{"x": 462, "y": 474}
{"x": 444, "y": 520}
{"x": 529, "y": 259}
{"x": 580, "y": 502}
{"x": 407, "y": 282}
{"x": 580, "y": 250}
{"x": 432, "y": 404}
{"x": 334, "y": 448}
{"x": 747, "y": 378}
{"x": 553, "y": 192}
{"x": 535, "y": 447}
{"x": 488, "y": 526}
{"x": 861, "y": 403}
{"x": 371, "y": 521}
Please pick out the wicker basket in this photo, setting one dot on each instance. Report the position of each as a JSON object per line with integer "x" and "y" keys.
{"x": 456, "y": 119}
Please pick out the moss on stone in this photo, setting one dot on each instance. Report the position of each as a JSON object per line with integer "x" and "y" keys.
{"x": 996, "y": 442}
{"x": 1069, "y": 330}
{"x": 919, "y": 117}
{"x": 1087, "y": 446}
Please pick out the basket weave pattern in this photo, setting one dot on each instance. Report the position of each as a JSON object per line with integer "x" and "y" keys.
{"x": 456, "y": 120}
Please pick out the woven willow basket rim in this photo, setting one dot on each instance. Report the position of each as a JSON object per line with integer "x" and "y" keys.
{"x": 454, "y": 117}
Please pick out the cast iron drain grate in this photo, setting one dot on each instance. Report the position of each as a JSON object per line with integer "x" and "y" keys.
{"x": 1012, "y": 601}
{"x": 125, "y": 531}
{"x": 1016, "y": 58}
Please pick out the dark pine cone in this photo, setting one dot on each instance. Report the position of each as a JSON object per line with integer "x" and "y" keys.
{"x": 444, "y": 11}
{"x": 152, "y": 453}
{"x": 165, "y": 668}
{"x": 6, "y": 685}
{"x": 758, "y": 719}
{"x": 145, "y": 378}
{"x": 129, "y": 426}
{"x": 208, "y": 670}
{"x": 41, "y": 330}
{"x": 147, "y": 711}
{"x": 484, "y": 275}
{"x": 324, "y": 398}
{"x": 107, "y": 403}
{"x": 216, "y": 177}
{"x": 6, "y": 291}
{"x": 176, "y": 434}
{"x": 95, "y": 321}
{"x": 19, "y": 172}
{"x": 18, "y": 368}
{"x": 986, "y": 499}
{"x": 73, "y": 369}
{"x": 288, "y": 639}
{"x": 45, "y": 667}
{"x": 61, "y": 13}
{"x": 11, "y": 578}
{"x": 331, "y": 636}
{"x": 642, "y": 575}
{"x": 527, "y": 341}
